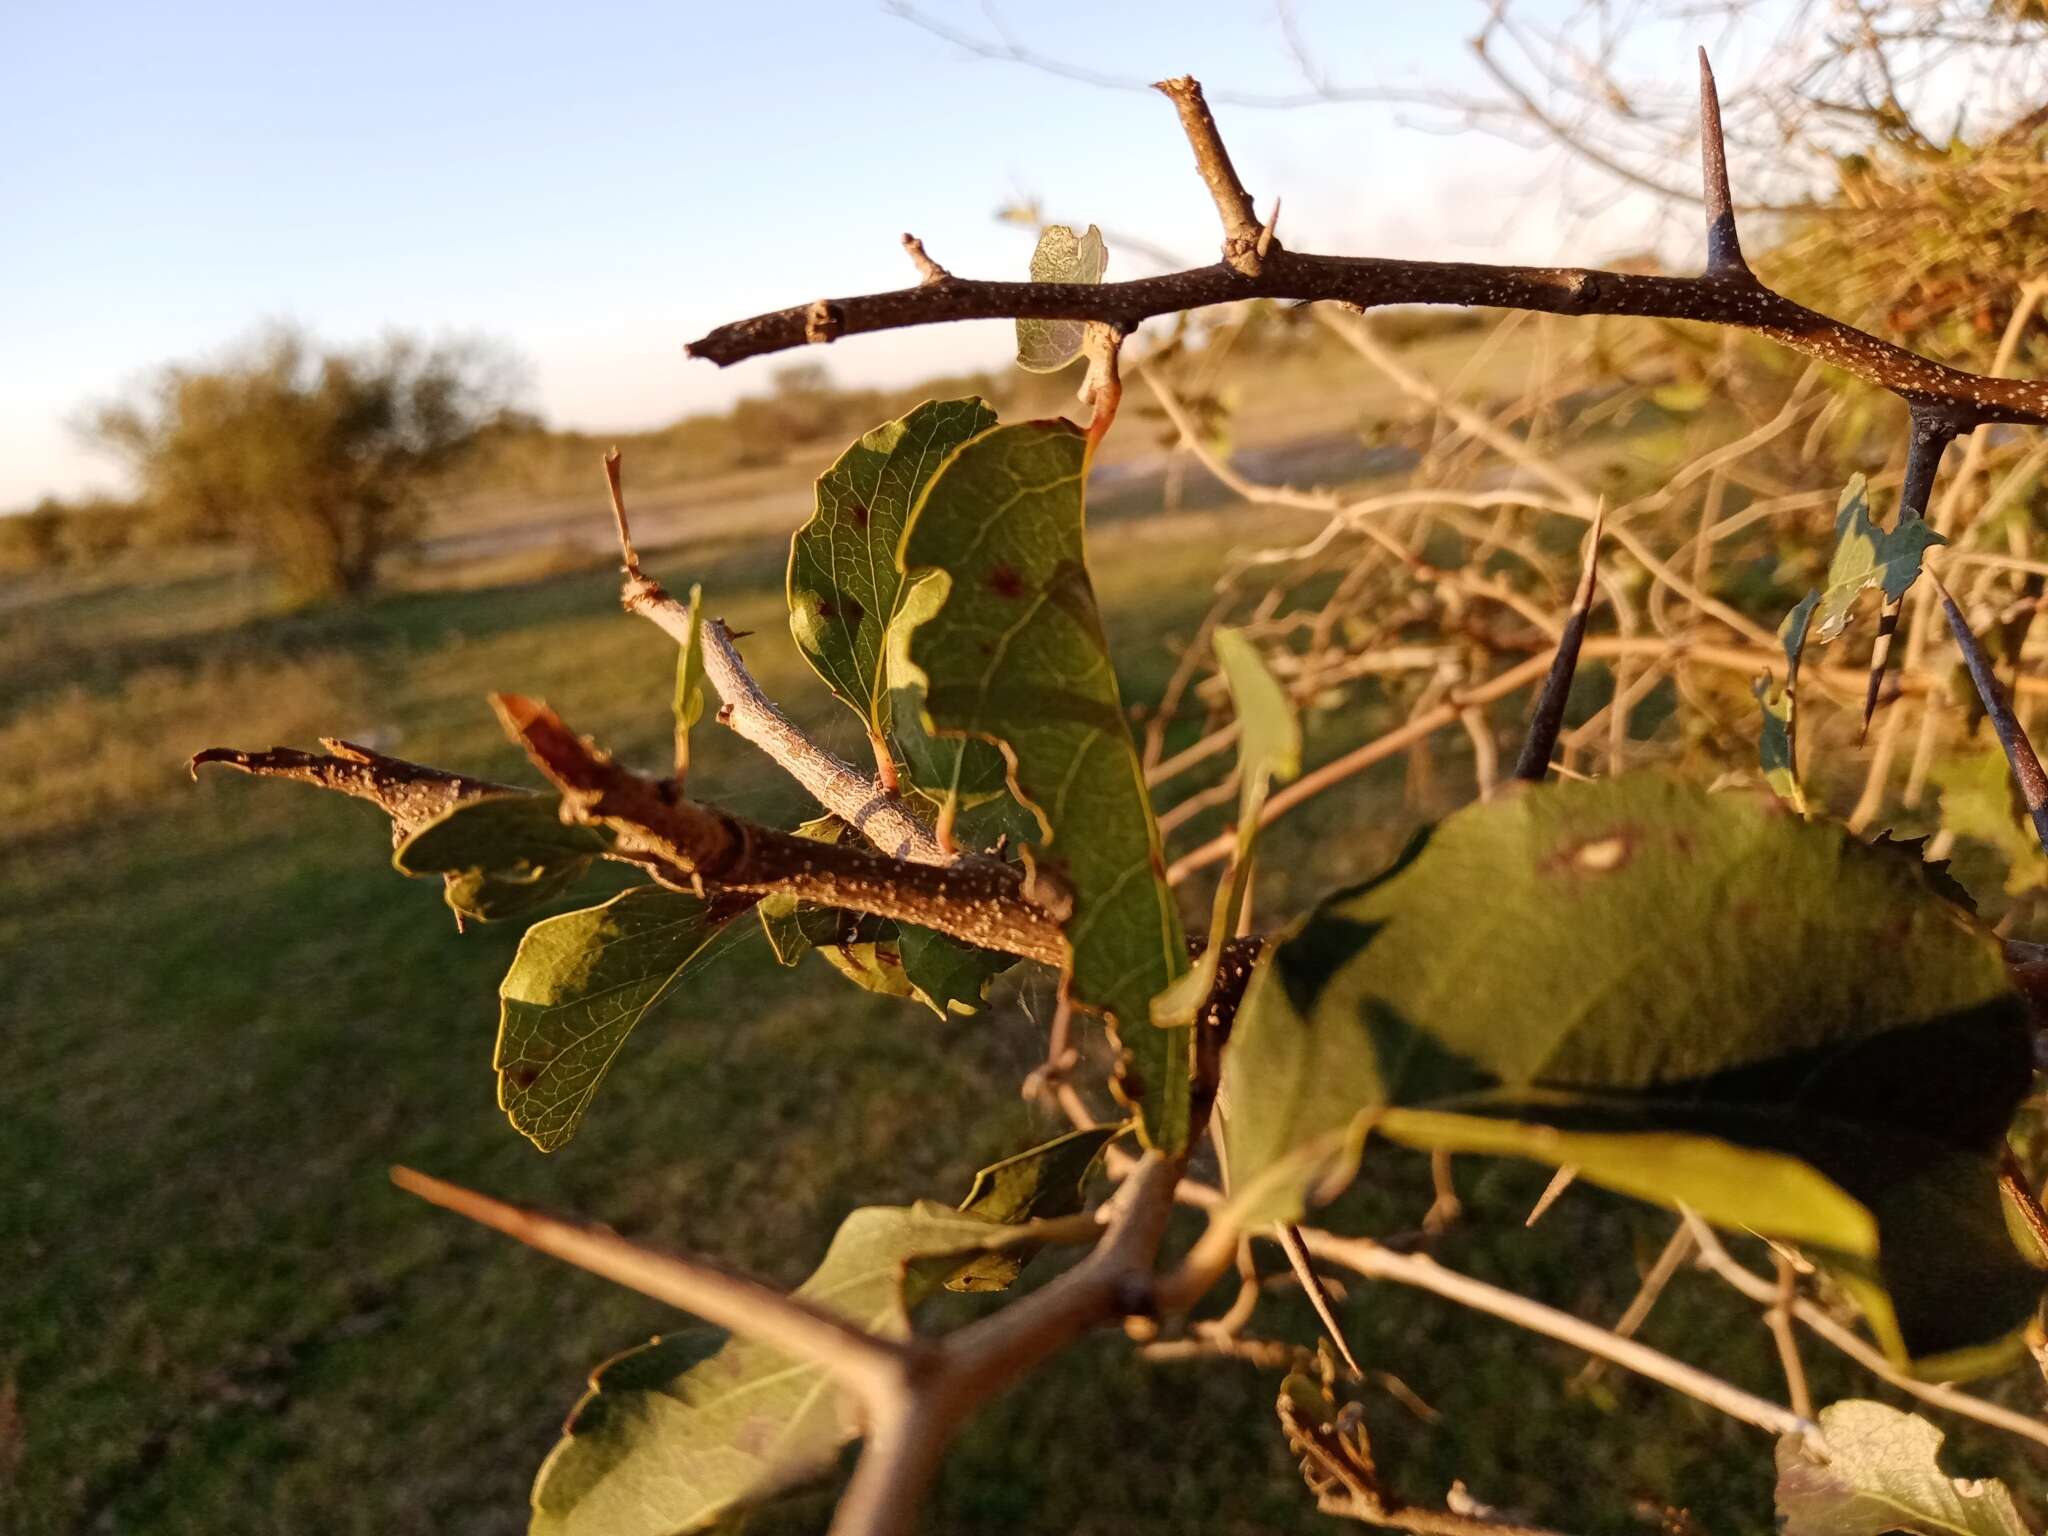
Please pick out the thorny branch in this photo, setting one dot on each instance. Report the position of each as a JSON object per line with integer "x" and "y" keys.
{"x": 1725, "y": 295}
{"x": 411, "y": 794}
{"x": 915, "y": 1394}
{"x": 981, "y": 901}
{"x": 856, "y": 799}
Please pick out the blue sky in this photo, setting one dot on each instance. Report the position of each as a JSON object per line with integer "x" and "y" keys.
{"x": 595, "y": 184}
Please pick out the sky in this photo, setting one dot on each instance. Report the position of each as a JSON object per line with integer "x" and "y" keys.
{"x": 595, "y": 184}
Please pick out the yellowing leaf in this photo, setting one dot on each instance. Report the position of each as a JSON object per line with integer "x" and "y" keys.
{"x": 1882, "y": 1473}
{"x": 1046, "y": 346}
{"x": 1778, "y": 745}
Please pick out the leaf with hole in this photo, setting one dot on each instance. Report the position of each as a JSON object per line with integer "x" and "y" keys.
{"x": 577, "y": 987}
{"x": 1882, "y": 1472}
{"x": 676, "y": 1435}
{"x": 1014, "y": 652}
{"x": 502, "y": 855}
{"x": 1694, "y": 999}
{"x": 1061, "y": 256}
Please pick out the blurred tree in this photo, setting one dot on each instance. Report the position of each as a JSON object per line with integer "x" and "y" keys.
{"x": 316, "y": 460}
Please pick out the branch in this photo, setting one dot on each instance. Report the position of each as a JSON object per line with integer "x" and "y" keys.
{"x": 1246, "y": 244}
{"x": 1426, "y": 723}
{"x": 861, "y": 1362}
{"x": 1114, "y": 1280}
{"x": 1963, "y": 400}
{"x": 852, "y": 796}
{"x": 917, "y": 1392}
{"x": 1715, "y": 1258}
{"x": 976, "y": 899}
{"x": 411, "y": 794}
{"x": 1369, "y": 1259}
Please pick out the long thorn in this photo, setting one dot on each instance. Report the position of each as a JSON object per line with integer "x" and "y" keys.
{"x": 1560, "y": 1181}
{"x": 1304, "y": 1271}
{"x": 626, "y": 550}
{"x": 1548, "y": 720}
{"x": 2026, "y": 767}
{"x": 1724, "y": 250}
{"x": 1931, "y": 435}
{"x": 1880, "y": 660}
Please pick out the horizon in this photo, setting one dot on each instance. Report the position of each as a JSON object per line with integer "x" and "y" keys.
{"x": 585, "y": 229}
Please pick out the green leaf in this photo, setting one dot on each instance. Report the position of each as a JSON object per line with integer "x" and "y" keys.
{"x": 577, "y": 986}
{"x": 899, "y": 959}
{"x": 795, "y": 927}
{"x": 1867, "y": 556}
{"x": 1883, "y": 1473}
{"x": 948, "y": 976}
{"x": 689, "y": 699}
{"x": 1268, "y": 748}
{"x": 501, "y": 855}
{"x": 1778, "y": 744}
{"x": 844, "y": 585}
{"x": 1046, "y": 346}
{"x": 1977, "y": 802}
{"x": 681, "y": 1432}
{"x": 1694, "y": 999}
{"x": 1682, "y": 397}
{"x": 965, "y": 778}
{"x": 1049, "y": 1180}
{"x": 1014, "y": 653}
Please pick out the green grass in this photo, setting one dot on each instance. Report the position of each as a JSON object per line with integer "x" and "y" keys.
{"x": 222, "y": 1017}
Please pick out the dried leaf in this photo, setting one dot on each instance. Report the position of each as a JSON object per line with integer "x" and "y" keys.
{"x": 1882, "y": 1473}
{"x": 1046, "y": 346}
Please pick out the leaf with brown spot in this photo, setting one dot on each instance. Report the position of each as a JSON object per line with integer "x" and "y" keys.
{"x": 1692, "y": 998}
{"x": 577, "y": 987}
{"x": 1031, "y": 673}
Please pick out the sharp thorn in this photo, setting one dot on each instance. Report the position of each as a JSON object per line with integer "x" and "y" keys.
{"x": 2019, "y": 752}
{"x": 1319, "y": 1298}
{"x": 1548, "y": 719}
{"x": 1724, "y": 249}
{"x": 1561, "y": 1181}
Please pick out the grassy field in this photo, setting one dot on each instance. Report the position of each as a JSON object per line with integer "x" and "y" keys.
{"x": 222, "y": 1017}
